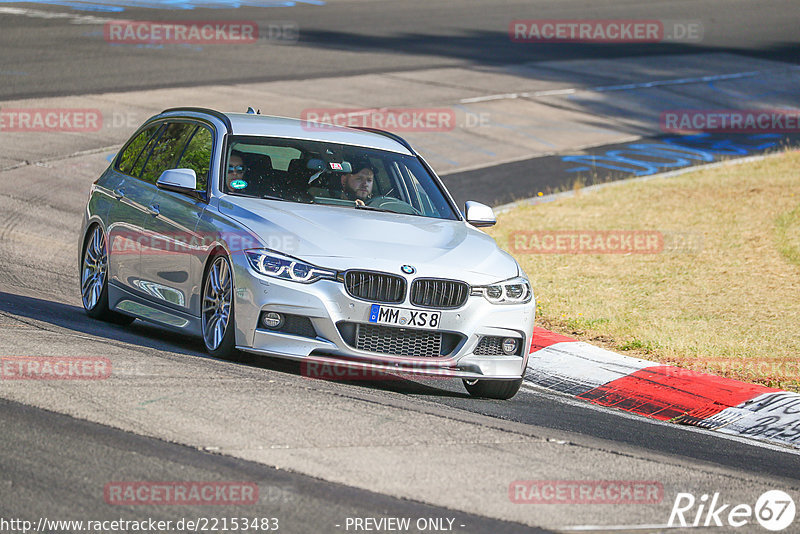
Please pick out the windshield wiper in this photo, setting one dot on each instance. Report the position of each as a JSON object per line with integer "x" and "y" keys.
{"x": 372, "y": 208}
{"x": 272, "y": 197}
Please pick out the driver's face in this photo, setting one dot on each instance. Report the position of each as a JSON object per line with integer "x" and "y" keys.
{"x": 360, "y": 183}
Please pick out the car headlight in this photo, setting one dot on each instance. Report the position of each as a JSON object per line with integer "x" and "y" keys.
{"x": 284, "y": 267}
{"x": 512, "y": 291}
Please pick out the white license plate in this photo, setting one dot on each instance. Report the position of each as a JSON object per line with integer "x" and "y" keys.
{"x": 389, "y": 315}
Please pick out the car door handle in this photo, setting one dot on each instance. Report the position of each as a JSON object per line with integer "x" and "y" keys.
{"x": 153, "y": 210}
{"x": 119, "y": 193}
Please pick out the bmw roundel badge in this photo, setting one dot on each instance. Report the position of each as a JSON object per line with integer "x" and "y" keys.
{"x": 408, "y": 269}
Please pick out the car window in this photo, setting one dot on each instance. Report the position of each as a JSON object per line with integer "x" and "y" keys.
{"x": 166, "y": 151}
{"x": 383, "y": 184}
{"x": 419, "y": 196}
{"x": 197, "y": 155}
{"x": 134, "y": 149}
{"x": 142, "y": 158}
{"x": 280, "y": 156}
{"x": 319, "y": 172}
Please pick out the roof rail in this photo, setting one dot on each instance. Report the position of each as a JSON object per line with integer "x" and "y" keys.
{"x": 218, "y": 114}
{"x": 390, "y": 135}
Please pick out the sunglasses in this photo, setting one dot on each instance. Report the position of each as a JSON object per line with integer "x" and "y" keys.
{"x": 236, "y": 168}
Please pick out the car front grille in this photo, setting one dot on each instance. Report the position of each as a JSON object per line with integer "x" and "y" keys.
{"x": 436, "y": 293}
{"x": 375, "y": 287}
{"x": 399, "y": 341}
{"x": 387, "y": 340}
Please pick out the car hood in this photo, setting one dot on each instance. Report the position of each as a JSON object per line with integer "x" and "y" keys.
{"x": 344, "y": 238}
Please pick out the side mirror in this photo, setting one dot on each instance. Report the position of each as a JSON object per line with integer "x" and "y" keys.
{"x": 478, "y": 214}
{"x": 178, "y": 180}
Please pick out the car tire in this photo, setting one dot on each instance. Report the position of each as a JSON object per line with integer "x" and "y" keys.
{"x": 217, "y": 310}
{"x": 94, "y": 279}
{"x": 493, "y": 389}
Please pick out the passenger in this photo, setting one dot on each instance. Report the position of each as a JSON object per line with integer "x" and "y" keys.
{"x": 235, "y": 178}
{"x": 357, "y": 186}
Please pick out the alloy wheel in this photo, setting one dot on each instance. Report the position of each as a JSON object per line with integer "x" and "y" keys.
{"x": 217, "y": 302}
{"x": 95, "y": 267}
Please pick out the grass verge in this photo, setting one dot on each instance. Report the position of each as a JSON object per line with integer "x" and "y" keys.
{"x": 719, "y": 292}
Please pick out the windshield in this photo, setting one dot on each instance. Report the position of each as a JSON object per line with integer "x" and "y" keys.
{"x": 317, "y": 172}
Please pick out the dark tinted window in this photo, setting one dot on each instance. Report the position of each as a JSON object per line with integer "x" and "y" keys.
{"x": 142, "y": 158}
{"x": 197, "y": 155}
{"x": 133, "y": 151}
{"x": 167, "y": 150}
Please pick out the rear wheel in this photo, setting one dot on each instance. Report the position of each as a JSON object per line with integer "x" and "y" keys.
{"x": 217, "y": 315}
{"x": 493, "y": 389}
{"x": 94, "y": 280}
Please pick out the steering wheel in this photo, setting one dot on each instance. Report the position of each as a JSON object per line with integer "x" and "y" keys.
{"x": 393, "y": 204}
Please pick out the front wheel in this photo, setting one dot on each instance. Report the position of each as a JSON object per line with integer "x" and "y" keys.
{"x": 493, "y": 389}
{"x": 217, "y": 314}
{"x": 94, "y": 280}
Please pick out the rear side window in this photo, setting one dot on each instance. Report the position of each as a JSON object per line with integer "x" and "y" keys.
{"x": 167, "y": 150}
{"x": 133, "y": 151}
{"x": 142, "y": 159}
{"x": 279, "y": 156}
{"x": 197, "y": 156}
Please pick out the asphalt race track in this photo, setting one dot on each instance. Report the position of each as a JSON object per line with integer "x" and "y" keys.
{"x": 296, "y": 499}
{"x": 48, "y": 56}
{"x": 323, "y": 453}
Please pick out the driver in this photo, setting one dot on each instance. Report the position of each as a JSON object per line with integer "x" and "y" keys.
{"x": 358, "y": 185}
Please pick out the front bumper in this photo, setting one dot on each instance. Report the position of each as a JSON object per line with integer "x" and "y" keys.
{"x": 326, "y": 303}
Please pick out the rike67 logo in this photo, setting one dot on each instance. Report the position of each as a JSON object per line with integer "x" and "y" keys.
{"x": 774, "y": 510}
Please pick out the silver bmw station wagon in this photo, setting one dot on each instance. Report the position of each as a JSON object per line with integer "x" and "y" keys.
{"x": 293, "y": 239}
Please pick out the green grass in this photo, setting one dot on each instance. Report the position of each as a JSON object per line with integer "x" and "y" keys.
{"x": 732, "y": 295}
{"x": 787, "y": 232}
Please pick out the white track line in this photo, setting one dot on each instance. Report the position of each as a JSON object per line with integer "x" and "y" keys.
{"x": 39, "y": 14}
{"x": 601, "y": 528}
{"x": 627, "y": 86}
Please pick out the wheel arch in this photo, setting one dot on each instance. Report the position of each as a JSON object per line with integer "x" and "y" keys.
{"x": 218, "y": 249}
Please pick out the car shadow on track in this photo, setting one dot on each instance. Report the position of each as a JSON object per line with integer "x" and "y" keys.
{"x": 151, "y": 336}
